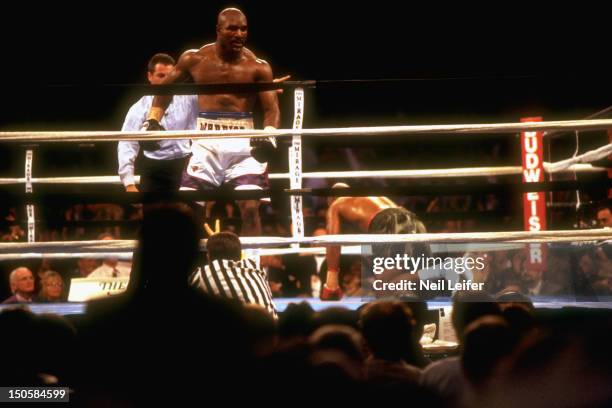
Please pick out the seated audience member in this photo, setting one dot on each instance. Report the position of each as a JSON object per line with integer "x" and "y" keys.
{"x": 296, "y": 322}
{"x": 532, "y": 280}
{"x": 227, "y": 276}
{"x": 487, "y": 342}
{"x": 111, "y": 267}
{"x": 387, "y": 327}
{"x": 604, "y": 215}
{"x": 337, "y": 361}
{"x": 168, "y": 323}
{"x": 21, "y": 345}
{"x": 21, "y": 281}
{"x": 261, "y": 330}
{"x": 52, "y": 287}
{"x": 446, "y": 376}
{"x": 85, "y": 266}
{"x": 341, "y": 338}
{"x": 418, "y": 307}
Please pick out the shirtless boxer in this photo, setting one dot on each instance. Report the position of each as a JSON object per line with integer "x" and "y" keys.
{"x": 372, "y": 215}
{"x": 240, "y": 163}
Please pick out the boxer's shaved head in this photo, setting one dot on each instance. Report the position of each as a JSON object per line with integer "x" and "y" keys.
{"x": 229, "y": 13}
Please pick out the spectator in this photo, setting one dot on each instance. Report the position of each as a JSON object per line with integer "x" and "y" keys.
{"x": 52, "y": 288}
{"x": 387, "y": 327}
{"x": 111, "y": 267}
{"x": 22, "y": 286}
{"x": 261, "y": 330}
{"x": 340, "y": 338}
{"x": 487, "y": 342}
{"x": 227, "y": 276}
{"x": 604, "y": 216}
{"x": 418, "y": 307}
{"x": 167, "y": 322}
{"x": 446, "y": 376}
{"x": 297, "y": 321}
{"x": 85, "y": 266}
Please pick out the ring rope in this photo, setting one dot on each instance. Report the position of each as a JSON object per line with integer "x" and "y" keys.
{"x": 93, "y": 136}
{"x": 345, "y": 250}
{"x": 412, "y": 174}
{"x": 586, "y": 157}
{"x": 349, "y": 239}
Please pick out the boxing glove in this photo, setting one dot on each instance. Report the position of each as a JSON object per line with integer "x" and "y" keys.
{"x": 150, "y": 125}
{"x": 263, "y": 148}
{"x": 327, "y": 294}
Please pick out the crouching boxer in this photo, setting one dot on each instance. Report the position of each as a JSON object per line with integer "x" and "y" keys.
{"x": 372, "y": 215}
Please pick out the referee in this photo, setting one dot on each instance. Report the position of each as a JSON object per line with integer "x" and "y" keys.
{"x": 163, "y": 161}
{"x": 227, "y": 276}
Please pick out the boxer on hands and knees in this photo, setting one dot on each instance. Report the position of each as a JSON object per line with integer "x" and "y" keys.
{"x": 240, "y": 163}
{"x": 372, "y": 215}
{"x": 164, "y": 160}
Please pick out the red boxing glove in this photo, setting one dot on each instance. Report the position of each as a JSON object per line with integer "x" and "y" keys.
{"x": 328, "y": 294}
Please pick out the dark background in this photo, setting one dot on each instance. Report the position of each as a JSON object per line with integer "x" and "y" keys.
{"x": 520, "y": 60}
{"x": 563, "y": 52}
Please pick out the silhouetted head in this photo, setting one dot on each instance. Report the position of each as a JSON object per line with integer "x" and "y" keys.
{"x": 224, "y": 245}
{"x": 387, "y": 327}
{"x": 168, "y": 248}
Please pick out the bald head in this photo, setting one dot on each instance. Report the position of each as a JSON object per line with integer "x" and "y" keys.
{"x": 229, "y": 13}
{"x": 340, "y": 185}
{"x": 22, "y": 281}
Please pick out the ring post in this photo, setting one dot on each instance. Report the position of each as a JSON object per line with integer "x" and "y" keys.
{"x": 295, "y": 167}
{"x": 28, "y": 189}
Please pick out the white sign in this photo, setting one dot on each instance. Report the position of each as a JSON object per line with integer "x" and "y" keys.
{"x": 84, "y": 289}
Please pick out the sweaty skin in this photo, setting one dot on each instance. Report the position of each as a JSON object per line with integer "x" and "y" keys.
{"x": 358, "y": 211}
{"x": 226, "y": 61}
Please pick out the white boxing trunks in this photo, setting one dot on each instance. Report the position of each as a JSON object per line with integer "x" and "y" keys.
{"x": 217, "y": 162}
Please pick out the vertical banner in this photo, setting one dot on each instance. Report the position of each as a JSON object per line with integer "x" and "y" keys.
{"x": 295, "y": 167}
{"x": 28, "y": 189}
{"x": 534, "y": 204}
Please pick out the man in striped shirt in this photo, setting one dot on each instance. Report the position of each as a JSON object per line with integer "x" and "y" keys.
{"x": 226, "y": 275}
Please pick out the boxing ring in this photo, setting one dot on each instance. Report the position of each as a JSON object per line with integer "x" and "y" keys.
{"x": 294, "y": 244}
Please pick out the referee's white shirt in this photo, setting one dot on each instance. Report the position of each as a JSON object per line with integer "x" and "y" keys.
{"x": 182, "y": 114}
{"x": 241, "y": 280}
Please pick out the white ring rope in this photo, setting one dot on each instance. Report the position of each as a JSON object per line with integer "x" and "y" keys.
{"x": 349, "y": 239}
{"x": 345, "y": 250}
{"x": 586, "y": 157}
{"x": 409, "y": 174}
{"x": 109, "y": 136}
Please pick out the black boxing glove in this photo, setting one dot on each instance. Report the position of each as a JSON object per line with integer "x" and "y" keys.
{"x": 263, "y": 148}
{"x": 150, "y": 125}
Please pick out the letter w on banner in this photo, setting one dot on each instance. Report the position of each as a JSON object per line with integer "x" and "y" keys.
{"x": 534, "y": 204}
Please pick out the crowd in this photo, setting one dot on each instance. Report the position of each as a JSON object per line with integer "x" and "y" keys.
{"x": 145, "y": 345}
